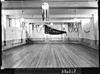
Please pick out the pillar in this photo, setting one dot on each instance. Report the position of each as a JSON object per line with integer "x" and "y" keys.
{"x": 92, "y": 42}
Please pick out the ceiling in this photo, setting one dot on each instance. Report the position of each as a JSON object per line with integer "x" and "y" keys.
{"x": 52, "y": 0}
{"x": 58, "y": 9}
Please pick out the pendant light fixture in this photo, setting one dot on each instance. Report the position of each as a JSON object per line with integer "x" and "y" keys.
{"x": 45, "y": 11}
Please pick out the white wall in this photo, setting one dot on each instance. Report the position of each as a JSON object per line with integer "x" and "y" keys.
{"x": 92, "y": 25}
{"x": 96, "y": 25}
{"x": 38, "y": 33}
{"x": 4, "y": 20}
{"x": 86, "y": 26}
{"x": 2, "y": 34}
{"x": 13, "y": 32}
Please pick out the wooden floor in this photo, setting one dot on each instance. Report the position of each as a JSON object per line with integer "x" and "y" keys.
{"x": 50, "y": 55}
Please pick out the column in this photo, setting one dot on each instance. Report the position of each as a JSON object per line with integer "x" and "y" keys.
{"x": 92, "y": 31}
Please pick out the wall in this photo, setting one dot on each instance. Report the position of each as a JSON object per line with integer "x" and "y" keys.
{"x": 91, "y": 38}
{"x": 12, "y": 33}
{"x": 96, "y": 28}
{"x": 39, "y": 34}
{"x": 2, "y": 36}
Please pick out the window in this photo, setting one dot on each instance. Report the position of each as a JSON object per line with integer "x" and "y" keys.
{"x": 18, "y": 23}
{"x": 13, "y": 23}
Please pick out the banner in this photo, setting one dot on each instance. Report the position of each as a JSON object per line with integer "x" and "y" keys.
{"x": 52, "y": 31}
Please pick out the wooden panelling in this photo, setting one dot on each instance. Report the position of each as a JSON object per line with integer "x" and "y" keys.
{"x": 90, "y": 43}
{"x": 13, "y": 43}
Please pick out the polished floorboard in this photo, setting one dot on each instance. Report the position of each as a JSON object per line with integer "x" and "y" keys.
{"x": 50, "y": 56}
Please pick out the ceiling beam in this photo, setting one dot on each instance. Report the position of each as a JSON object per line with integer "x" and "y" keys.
{"x": 52, "y": 16}
{"x": 56, "y": 21}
